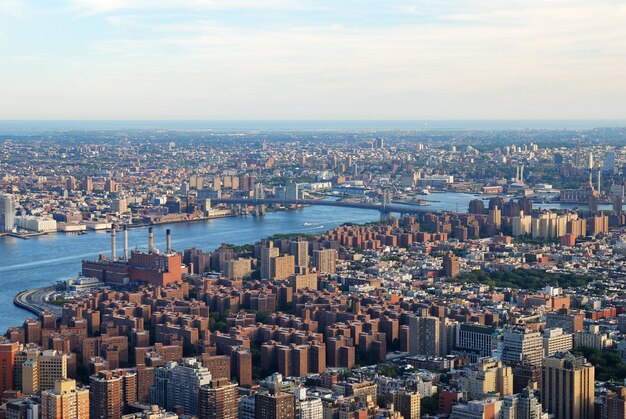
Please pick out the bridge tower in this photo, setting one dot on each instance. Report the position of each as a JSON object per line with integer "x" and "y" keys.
{"x": 385, "y": 209}
{"x": 258, "y": 193}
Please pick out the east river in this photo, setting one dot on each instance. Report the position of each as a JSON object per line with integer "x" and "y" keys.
{"x": 43, "y": 260}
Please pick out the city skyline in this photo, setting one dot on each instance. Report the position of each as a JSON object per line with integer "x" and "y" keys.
{"x": 307, "y": 60}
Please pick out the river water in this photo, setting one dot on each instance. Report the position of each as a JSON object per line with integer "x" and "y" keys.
{"x": 43, "y": 260}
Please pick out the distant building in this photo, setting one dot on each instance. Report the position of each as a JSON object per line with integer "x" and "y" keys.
{"x": 451, "y": 266}
{"x": 7, "y": 212}
{"x": 325, "y": 261}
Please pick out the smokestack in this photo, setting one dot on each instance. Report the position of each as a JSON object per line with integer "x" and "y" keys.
{"x": 516, "y": 173}
{"x": 126, "y": 243}
{"x": 150, "y": 240}
{"x": 599, "y": 179}
{"x": 168, "y": 240}
{"x": 521, "y": 174}
{"x": 113, "y": 244}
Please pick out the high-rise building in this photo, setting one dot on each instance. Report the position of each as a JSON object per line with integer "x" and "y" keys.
{"x": 87, "y": 185}
{"x": 476, "y": 339}
{"x": 485, "y": 377}
{"x": 300, "y": 250}
{"x": 608, "y": 165}
{"x": 111, "y": 392}
{"x": 614, "y": 404}
{"x": 8, "y": 350}
{"x": 325, "y": 260}
{"x": 49, "y": 367}
{"x": 495, "y": 217}
{"x": 476, "y": 206}
{"x": 554, "y": 340}
{"x": 521, "y": 225}
{"x": 237, "y": 268}
{"x": 407, "y": 403}
{"x": 219, "y": 400}
{"x": 268, "y": 252}
{"x": 522, "y": 345}
{"x": 7, "y": 212}
{"x": 526, "y": 375}
{"x": 424, "y": 336}
{"x": 106, "y": 392}
{"x": 282, "y": 267}
{"x": 524, "y": 405}
{"x": 308, "y": 407}
{"x": 119, "y": 205}
{"x": 179, "y": 385}
{"x": 292, "y": 191}
{"x": 247, "y": 407}
{"x": 451, "y": 266}
{"x": 567, "y": 386}
{"x": 274, "y": 404}
{"x": 65, "y": 401}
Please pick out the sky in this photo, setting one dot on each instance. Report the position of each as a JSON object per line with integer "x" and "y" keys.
{"x": 312, "y": 59}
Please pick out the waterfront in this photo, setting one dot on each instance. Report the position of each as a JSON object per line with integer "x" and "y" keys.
{"x": 43, "y": 260}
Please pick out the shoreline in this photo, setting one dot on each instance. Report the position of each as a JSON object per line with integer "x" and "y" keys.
{"x": 33, "y": 300}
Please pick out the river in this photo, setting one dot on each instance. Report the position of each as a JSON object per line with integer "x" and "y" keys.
{"x": 43, "y": 260}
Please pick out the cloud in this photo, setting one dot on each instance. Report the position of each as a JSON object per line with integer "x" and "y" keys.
{"x": 98, "y": 7}
{"x": 330, "y": 59}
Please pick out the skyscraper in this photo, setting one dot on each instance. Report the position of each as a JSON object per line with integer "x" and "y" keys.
{"x": 567, "y": 386}
{"x": 7, "y": 212}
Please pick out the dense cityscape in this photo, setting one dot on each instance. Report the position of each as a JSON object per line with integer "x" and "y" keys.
{"x": 489, "y": 282}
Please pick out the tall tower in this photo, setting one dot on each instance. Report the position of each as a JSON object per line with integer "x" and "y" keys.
{"x": 7, "y": 212}
{"x": 567, "y": 386}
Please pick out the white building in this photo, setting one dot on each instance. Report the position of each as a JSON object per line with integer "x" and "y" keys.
{"x": 307, "y": 407}
{"x": 38, "y": 224}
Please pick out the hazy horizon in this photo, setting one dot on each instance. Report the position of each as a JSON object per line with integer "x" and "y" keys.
{"x": 8, "y": 127}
